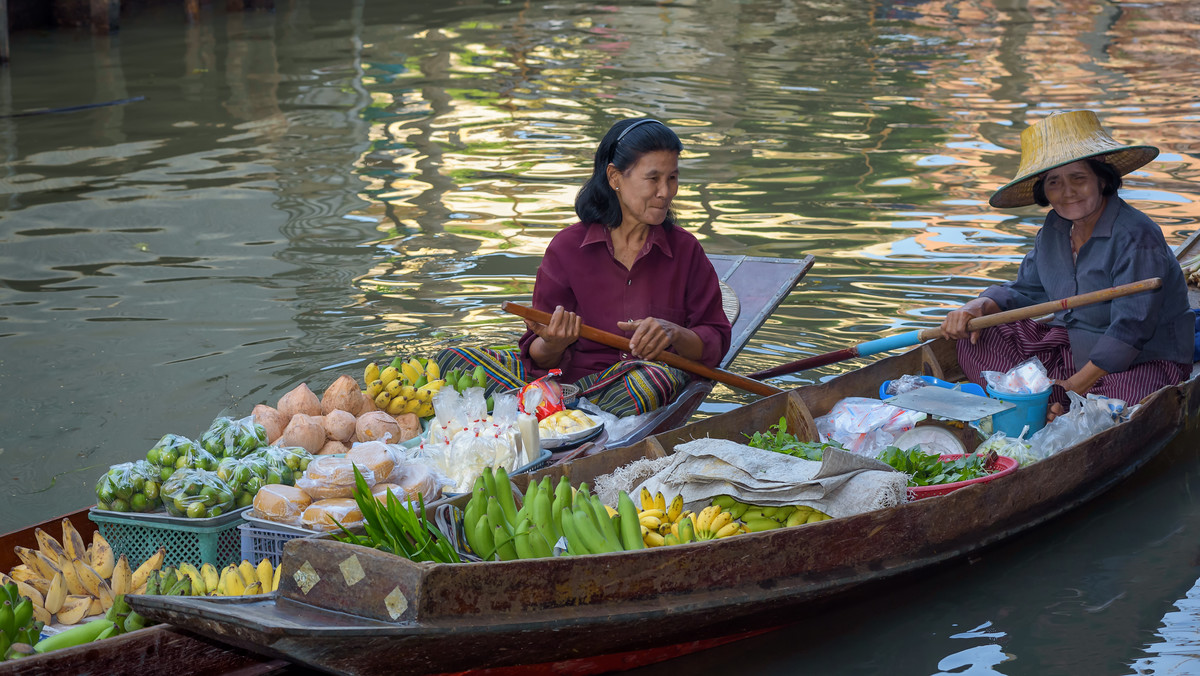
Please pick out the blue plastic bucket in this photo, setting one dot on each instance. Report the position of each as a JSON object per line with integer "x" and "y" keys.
{"x": 1030, "y": 410}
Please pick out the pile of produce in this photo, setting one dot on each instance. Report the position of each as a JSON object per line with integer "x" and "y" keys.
{"x": 236, "y": 579}
{"x": 119, "y": 619}
{"x": 780, "y": 440}
{"x": 759, "y": 518}
{"x": 927, "y": 469}
{"x": 130, "y": 487}
{"x": 405, "y": 386}
{"x": 67, "y": 582}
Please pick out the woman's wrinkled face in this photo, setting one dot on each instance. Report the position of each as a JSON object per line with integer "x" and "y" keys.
{"x": 647, "y": 188}
{"x": 1073, "y": 190}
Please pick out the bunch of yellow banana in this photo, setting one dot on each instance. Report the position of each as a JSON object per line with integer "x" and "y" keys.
{"x": 757, "y": 518}
{"x": 404, "y": 386}
{"x": 664, "y": 524}
{"x": 68, "y": 582}
{"x": 236, "y": 579}
{"x": 1191, "y": 271}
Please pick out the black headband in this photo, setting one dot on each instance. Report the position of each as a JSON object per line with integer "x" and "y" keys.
{"x": 631, "y": 128}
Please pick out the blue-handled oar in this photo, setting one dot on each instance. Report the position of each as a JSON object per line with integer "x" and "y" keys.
{"x": 912, "y": 338}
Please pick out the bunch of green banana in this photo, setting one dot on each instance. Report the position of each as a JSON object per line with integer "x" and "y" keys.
{"x": 17, "y": 624}
{"x": 404, "y": 386}
{"x": 759, "y": 518}
{"x": 463, "y": 380}
{"x": 496, "y": 529}
{"x": 236, "y": 579}
{"x": 119, "y": 619}
{"x": 1191, "y": 271}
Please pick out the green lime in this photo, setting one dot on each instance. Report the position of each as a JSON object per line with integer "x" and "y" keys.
{"x": 139, "y": 502}
{"x": 120, "y": 505}
{"x": 151, "y": 490}
{"x": 245, "y": 499}
{"x": 152, "y": 456}
{"x": 166, "y": 472}
{"x": 215, "y": 511}
{"x": 195, "y": 510}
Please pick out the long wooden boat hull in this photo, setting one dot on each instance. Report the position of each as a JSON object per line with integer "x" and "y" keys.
{"x": 758, "y": 286}
{"x": 353, "y": 610}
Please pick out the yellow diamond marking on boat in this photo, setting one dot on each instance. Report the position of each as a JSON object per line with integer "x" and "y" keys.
{"x": 306, "y": 577}
{"x": 352, "y": 570}
{"x": 396, "y": 603}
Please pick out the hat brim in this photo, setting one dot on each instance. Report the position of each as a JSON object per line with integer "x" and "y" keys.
{"x": 1019, "y": 193}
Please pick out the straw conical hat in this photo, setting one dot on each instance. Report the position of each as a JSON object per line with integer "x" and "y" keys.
{"x": 1061, "y": 139}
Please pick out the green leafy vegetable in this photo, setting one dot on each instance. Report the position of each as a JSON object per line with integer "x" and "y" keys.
{"x": 397, "y": 528}
{"x": 780, "y": 441}
{"x": 926, "y": 469}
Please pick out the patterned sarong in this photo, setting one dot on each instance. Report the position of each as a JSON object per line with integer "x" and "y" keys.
{"x": 1002, "y": 347}
{"x": 626, "y": 388}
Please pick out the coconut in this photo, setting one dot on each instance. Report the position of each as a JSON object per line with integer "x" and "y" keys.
{"x": 343, "y": 395}
{"x": 299, "y": 400}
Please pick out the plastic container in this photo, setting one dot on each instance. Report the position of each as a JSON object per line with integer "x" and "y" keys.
{"x": 1029, "y": 409}
{"x": 259, "y": 541}
{"x": 196, "y": 541}
{"x": 1002, "y": 466}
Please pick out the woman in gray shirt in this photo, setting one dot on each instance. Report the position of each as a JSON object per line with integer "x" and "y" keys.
{"x": 1125, "y": 348}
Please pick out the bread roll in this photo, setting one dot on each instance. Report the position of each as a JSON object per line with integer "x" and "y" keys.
{"x": 415, "y": 478}
{"x": 373, "y": 455}
{"x": 278, "y": 502}
{"x": 317, "y": 516}
{"x": 329, "y": 476}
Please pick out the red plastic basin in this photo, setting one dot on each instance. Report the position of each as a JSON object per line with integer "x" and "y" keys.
{"x": 1003, "y": 465}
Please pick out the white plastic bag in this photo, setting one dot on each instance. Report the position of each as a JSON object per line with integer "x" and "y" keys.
{"x": 1085, "y": 418}
{"x": 1028, "y": 377}
{"x": 865, "y": 426}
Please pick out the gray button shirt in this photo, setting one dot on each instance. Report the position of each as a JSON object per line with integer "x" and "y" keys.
{"x": 1126, "y": 246}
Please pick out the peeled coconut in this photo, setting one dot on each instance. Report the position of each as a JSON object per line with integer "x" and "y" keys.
{"x": 271, "y": 419}
{"x": 299, "y": 400}
{"x": 332, "y": 447}
{"x": 410, "y": 426}
{"x": 377, "y": 426}
{"x": 343, "y": 395}
{"x": 305, "y": 431}
{"x": 340, "y": 425}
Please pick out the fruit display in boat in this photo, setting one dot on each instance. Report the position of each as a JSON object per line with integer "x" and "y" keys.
{"x": 229, "y": 438}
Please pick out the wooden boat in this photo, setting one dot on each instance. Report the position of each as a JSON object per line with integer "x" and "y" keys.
{"x": 753, "y": 288}
{"x": 352, "y": 610}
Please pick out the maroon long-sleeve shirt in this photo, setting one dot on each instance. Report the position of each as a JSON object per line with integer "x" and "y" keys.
{"x": 671, "y": 279}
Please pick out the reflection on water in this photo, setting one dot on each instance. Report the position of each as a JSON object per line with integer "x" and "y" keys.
{"x": 302, "y": 190}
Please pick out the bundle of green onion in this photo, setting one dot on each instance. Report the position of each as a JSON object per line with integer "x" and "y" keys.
{"x": 397, "y": 528}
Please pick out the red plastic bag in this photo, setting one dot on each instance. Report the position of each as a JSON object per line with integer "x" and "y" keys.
{"x": 544, "y": 395}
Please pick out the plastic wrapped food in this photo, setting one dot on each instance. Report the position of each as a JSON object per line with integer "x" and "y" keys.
{"x": 414, "y": 478}
{"x": 246, "y": 476}
{"x": 865, "y": 426}
{"x": 129, "y": 487}
{"x": 284, "y": 463}
{"x": 543, "y": 396}
{"x": 166, "y": 453}
{"x": 1028, "y": 377}
{"x": 374, "y": 455}
{"x": 197, "y": 494}
{"x": 329, "y": 476}
{"x": 320, "y": 514}
{"x": 227, "y": 437}
{"x": 280, "y": 503}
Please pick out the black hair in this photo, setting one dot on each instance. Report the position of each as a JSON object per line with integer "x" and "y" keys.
{"x": 1110, "y": 181}
{"x": 624, "y": 144}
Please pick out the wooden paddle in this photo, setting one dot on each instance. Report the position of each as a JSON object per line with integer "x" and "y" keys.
{"x": 670, "y": 358}
{"x": 917, "y": 337}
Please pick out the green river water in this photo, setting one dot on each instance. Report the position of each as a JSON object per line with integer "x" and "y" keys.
{"x": 292, "y": 193}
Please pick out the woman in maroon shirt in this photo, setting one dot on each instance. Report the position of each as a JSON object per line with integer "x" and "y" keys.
{"x": 625, "y": 268}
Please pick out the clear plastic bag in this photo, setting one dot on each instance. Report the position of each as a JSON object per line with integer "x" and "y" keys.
{"x": 1016, "y": 448}
{"x": 329, "y": 476}
{"x": 1028, "y": 377}
{"x": 865, "y": 426}
{"x": 246, "y": 476}
{"x": 1086, "y": 417}
{"x": 227, "y": 437}
{"x": 129, "y": 487}
{"x": 905, "y": 383}
{"x": 285, "y": 464}
{"x": 197, "y": 494}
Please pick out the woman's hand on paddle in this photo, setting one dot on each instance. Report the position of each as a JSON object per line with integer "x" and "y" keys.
{"x": 650, "y": 336}
{"x": 556, "y": 337}
{"x": 954, "y": 326}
